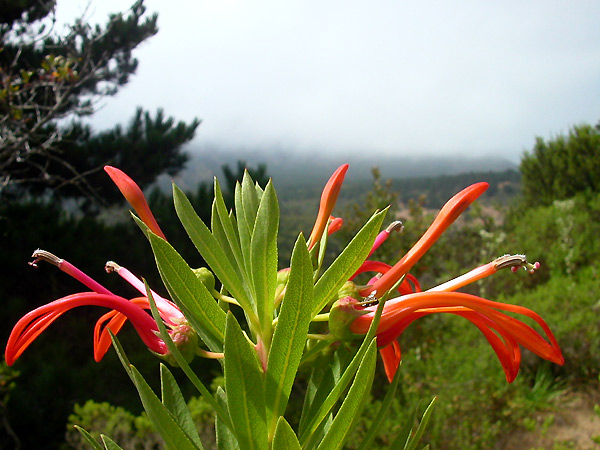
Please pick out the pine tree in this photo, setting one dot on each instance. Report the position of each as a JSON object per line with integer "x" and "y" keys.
{"x": 48, "y": 79}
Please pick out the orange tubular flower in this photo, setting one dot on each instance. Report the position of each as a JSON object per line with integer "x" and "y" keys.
{"x": 328, "y": 199}
{"x": 504, "y": 333}
{"x": 447, "y": 215}
{"x": 134, "y": 195}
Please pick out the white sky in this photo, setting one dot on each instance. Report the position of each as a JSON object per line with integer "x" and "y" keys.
{"x": 397, "y": 77}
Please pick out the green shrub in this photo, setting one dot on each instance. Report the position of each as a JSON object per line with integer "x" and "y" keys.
{"x": 131, "y": 431}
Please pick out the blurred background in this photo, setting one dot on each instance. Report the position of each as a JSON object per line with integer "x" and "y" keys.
{"x": 421, "y": 99}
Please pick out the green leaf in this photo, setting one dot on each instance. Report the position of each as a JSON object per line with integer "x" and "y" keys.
{"x": 321, "y": 409}
{"x": 245, "y": 389}
{"x": 109, "y": 444}
{"x": 326, "y": 406}
{"x": 225, "y": 438}
{"x": 89, "y": 438}
{"x": 210, "y": 249}
{"x": 403, "y": 440}
{"x": 348, "y": 412}
{"x": 422, "y": 425}
{"x": 250, "y": 199}
{"x": 121, "y": 354}
{"x": 347, "y": 262}
{"x": 220, "y": 235}
{"x": 180, "y": 359}
{"x": 176, "y": 404}
{"x": 381, "y": 414}
{"x": 190, "y": 294}
{"x": 165, "y": 424}
{"x": 245, "y": 226}
{"x": 285, "y": 438}
{"x": 221, "y": 217}
{"x": 264, "y": 256}
{"x": 289, "y": 338}
{"x": 322, "y": 381}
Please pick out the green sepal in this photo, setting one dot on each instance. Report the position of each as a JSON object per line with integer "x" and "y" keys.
{"x": 341, "y": 316}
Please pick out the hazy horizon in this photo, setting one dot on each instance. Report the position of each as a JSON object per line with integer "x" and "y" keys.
{"x": 346, "y": 77}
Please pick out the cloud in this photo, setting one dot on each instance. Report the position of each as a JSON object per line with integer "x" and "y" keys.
{"x": 382, "y": 76}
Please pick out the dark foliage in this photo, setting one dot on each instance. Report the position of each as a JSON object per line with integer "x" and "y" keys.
{"x": 46, "y": 77}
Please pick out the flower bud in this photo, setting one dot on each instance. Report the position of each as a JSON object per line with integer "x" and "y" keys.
{"x": 349, "y": 289}
{"x": 343, "y": 312}
{"x": 206, "y": 276}
{"x": 186, "y": 340}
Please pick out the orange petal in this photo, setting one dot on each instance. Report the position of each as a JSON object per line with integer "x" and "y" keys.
{"x": 328, "y": 199}
{"x": 391, "y": 356}
{"x": 134, "y": 195}
{"x": 447, "y": 215}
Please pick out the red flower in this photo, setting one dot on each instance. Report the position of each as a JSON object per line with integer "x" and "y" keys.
{"x": 350, "y": 317}
{"x": 30, "y": 326}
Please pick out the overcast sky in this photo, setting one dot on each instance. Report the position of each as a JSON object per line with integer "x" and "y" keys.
{"x": 397, "y": 77}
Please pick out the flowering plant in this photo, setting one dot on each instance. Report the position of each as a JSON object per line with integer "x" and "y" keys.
{"x": 263, "y": 324}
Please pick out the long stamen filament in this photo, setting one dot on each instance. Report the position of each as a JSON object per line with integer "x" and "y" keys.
{"x": 69, "y": 269}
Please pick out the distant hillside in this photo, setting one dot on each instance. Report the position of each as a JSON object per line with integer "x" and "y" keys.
{"x": 438, "y": 189}
{"x": 313, "y": 168}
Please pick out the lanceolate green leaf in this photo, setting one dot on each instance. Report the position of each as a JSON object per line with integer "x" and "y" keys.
{"x": 229, "y": 228}
{"x": 109, "y": 444}
{"x": 164, "y": 423}
{"x": 225, "y": 438}
{"x": 322, "y": 382}
{"x": 179, "y": 358}
{"x": 198, "y": 306}
{"x": 264, "y": 256}
{"x": 326, "y": 405}
{"x": 285, "y": 438}
{"x": 347, "y": 262}
{"x": 244, "y": 226}
{"x": 348, "y": 412}
{"x": 210, "y": 249}
{"x": 175, "y": 403}
{"x": 290, "y": 335}
{"x": 220, "y": 235}
{"x": 245, "y": 389}
{"x": 414, "y": 441}
{"x": 250, "y": 199}
{"x": 381, "y": 414}
{"x": 89, "y": 438}
{"x": 402, "y": 439}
